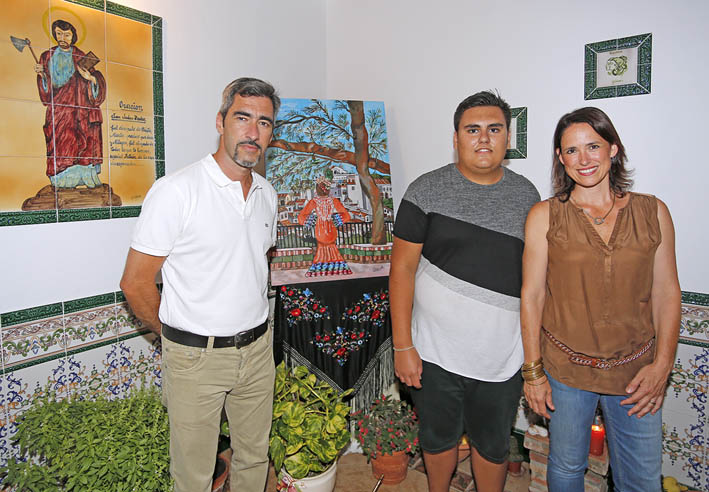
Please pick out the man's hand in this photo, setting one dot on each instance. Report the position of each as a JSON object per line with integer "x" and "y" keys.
{"x": 408, "y": 367}
{"x": 539, "y": 398}
{"x": 647, "y": 390}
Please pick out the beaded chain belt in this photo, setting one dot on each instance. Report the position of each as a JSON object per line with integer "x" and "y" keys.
{"x": 595, "y": 362}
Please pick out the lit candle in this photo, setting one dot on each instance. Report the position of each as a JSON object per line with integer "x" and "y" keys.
{"x": 598, "y": 435}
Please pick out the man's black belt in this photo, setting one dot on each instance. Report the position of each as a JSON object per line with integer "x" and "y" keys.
{"x": 193, "y": 340}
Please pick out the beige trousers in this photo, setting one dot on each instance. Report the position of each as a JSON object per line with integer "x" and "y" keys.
{"x": 197, "y": 384}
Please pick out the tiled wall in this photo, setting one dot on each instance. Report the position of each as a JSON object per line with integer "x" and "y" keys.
{"x": 82, "y": 347}
{"x": 95, "y": 346}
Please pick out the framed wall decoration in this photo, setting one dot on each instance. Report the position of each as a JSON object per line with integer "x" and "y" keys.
{"x": 618, "y": 67}
{"x": 518, "y": 134}
{"x": 329, "y": 163}
{"x": 82, "y": 105}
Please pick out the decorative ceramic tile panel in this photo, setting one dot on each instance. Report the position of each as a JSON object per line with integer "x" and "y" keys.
{"x": 95, "y": 372}
{"x": 70, "y": 124}
{"x": 31, "y": 341}
{"x": 139, "y": 358}
{"x": 618, "y": 67}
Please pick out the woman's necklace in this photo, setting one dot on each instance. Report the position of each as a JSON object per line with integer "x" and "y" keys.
{"x": 596, "y": 220}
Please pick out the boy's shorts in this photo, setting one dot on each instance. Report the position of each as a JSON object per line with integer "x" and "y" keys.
{"x": 448, "y": 404}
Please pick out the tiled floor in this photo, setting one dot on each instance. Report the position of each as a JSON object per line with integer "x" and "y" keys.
{"x": 354, "y": 474}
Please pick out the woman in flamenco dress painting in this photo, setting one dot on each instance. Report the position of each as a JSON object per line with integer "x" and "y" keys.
{"x": 326, "y": 213}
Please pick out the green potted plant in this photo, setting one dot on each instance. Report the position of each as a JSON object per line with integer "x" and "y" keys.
{"x": 78, "y": 445}
{"x": 308, "y": 431}
{"x": 387, "y": 432}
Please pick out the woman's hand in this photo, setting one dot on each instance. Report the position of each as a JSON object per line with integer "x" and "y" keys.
{"x": 539, "y": 397}
{"x": 408, "y": 367}
{"x": 647, "y": 390}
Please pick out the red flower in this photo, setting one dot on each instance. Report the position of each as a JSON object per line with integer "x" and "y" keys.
{"x": 317, "y": 337}
{"x": 326, "y": 338}
{"x": 322, "y": 309}
{"x": 357, "y": 309}
{"x": 341, "y": 352}
{"x": 353, "y": 336}
{"x": 383, "y": 296}
{"x": 295, "y": 312}
{"x": 349, "y": 311}
{"x": 315, "y": 307}
{"x": 290, "y": 292}
{"x": 375, "y": 314}
{"x": 283, "y": 288}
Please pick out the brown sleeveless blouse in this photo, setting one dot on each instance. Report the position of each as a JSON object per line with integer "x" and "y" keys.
{"x": 598, "y": 295}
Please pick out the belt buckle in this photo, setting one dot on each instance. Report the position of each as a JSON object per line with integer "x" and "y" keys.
{"x": 243, "y": 339}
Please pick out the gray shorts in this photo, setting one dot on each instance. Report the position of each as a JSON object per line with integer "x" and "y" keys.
{"x": 449, "y": 404}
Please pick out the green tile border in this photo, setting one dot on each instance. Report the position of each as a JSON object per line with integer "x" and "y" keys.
{"x": 90, "y": 302}
{"x": 20, "y": 218}
{"x": 79, "y": 214}
{"x": 128, "y": 13}
{"x": 28, "y": 218}
{"x": 693, "y": 342}
{"x": 34, "y": 362}
{"x": 27, "y": 315}
{"x": 643, "y": 43}
{"x": 159, "y": 136}
{"x": 157, "y": 49}
{"x": 520, "y": 150}
{"x": 695, "y": 298}
{"x": 158, "y": 108}
{"x": 125, "y": 212}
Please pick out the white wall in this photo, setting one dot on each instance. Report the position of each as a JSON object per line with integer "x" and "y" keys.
{"x": 206, "y": 45}
{"x": 423, "y": 58}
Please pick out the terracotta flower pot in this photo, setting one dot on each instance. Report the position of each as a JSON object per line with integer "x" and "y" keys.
{"x": 392, "y": 466}
{"x": 515, "y": 468}
{"x": 221, "y": 472}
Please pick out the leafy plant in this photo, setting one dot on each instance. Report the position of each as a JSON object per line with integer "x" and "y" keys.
{"x": 309, "y": 427}
{"x": 389, "y": 425}
{"x": 79, "y": 445}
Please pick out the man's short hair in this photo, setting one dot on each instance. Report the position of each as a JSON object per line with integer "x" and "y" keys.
{"x": 249, "y": 87}
{"x": 484, "y": 98}
{"x": 64, "y": 26}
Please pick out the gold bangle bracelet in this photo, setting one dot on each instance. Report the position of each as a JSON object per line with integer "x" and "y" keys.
{"x": 532, "y": 365}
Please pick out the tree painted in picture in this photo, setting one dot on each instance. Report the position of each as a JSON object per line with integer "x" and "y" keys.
{"x": 309, "y": 140}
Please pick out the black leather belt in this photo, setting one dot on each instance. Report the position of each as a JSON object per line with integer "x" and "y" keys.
{"x": 193, "y": 340}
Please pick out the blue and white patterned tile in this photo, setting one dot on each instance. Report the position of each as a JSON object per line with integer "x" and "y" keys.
{"x": 683, "y": 448}
{"x": 4, "y": 424}
{"x": 687, "y": 389}
{"x": 140, "y": 361}
{"x": 94, "y": 372}
{"x": 25, "y": 385}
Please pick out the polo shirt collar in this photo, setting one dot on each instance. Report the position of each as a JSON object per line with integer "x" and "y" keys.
{"x": 221, "y": 179}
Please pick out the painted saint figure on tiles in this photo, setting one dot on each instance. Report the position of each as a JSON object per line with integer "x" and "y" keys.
{"x": 328, "y": 213}
{"x": 72, "y": 89}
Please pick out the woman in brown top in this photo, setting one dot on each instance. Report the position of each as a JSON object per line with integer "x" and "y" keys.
{"x": 600, "y": 308}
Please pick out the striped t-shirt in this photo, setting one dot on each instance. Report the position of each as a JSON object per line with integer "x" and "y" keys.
{"x": 466, "y": 301}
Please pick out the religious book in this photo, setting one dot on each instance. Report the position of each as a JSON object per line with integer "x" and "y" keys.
{"x": 88, "y": 61}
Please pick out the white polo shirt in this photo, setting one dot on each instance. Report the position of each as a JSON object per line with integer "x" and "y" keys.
{"x": 215, "y": 276}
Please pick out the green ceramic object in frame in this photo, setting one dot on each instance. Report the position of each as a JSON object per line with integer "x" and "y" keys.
{"x": 618, "y": 67}
{"x": 518, "y": 141}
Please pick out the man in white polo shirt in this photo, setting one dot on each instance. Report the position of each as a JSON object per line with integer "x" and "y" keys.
{"x": 208, "y": 227}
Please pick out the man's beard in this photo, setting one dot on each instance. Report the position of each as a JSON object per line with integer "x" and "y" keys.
{"x": 241, "y": 161}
